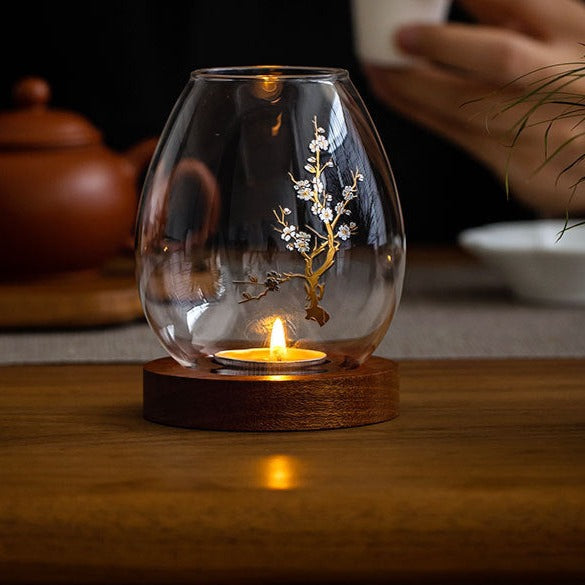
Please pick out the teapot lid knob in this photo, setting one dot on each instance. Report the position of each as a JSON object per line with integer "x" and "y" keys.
{"x": 31, "y": 92}
{"x": 33, "y": 124}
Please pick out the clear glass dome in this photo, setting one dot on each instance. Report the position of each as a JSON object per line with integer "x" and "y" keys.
{"x": 270, "y": 195}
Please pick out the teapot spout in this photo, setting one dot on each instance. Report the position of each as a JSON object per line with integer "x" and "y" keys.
{"x": 140, "y": 156}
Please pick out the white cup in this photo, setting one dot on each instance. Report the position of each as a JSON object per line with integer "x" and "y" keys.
{"x": 375, "y": 23}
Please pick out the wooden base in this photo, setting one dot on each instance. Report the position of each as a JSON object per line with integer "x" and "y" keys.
{"x": 216, "y": 398}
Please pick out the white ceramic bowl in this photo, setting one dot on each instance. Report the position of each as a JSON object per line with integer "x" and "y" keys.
{"x": 536, "y": 266}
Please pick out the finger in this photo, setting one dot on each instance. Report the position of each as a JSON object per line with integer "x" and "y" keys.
{"x": 540, "y": 191}
{"x": 439, "y": 93}
{"x": 492, "y": 148}
{"x": 539, "y": 18}
{"x": 460, "y": 103}
{"x": 436, "y": 123}
{"x": 464, "y": 129}
{"x": 493, "y": 55}
{"x": 493, "y": 12}
{"x": 479, "y": 144}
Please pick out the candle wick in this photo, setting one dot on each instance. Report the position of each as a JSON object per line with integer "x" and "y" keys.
{"x": 277, "y": 353}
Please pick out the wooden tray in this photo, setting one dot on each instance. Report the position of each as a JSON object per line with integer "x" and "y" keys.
{"x": 72, "y": 300}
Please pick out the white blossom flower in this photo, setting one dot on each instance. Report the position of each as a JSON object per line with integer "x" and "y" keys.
{"x": 319, "y": 143}
{"x": 348, "y": 193}
{"x": 302, "y": 243}
{"x": 286, "y": 211}
{"x": 344, "y": 232}
{"x": 339, "y": 209}
{"x": 321, "y": 130}
{"x": 288, "y": 232}
{"x": 326, "y": 214}
{"x": 311, "y": 159}
{"x": 328, "y": 197}
{"x": 301, "y": 184}
{"x": 310, "y": 168}
{"x": 316, "y": 208}
{"x": 359, "y": 177}
{"x": 302, "y": 246}
{"x": 290, "y": 246}
{"x": 352, "y": 225}
{"x": 303, "y": 189}
{"x": 318, "y": 184}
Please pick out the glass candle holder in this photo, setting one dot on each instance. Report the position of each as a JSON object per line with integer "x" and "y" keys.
{"x": 270, "y": 233}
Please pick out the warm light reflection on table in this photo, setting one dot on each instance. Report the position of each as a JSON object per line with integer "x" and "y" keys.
{"x": 279, "y": 472}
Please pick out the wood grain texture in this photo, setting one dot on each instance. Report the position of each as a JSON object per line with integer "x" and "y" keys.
{"x": 480, "y": 480}
{"x": 329, "y": 398}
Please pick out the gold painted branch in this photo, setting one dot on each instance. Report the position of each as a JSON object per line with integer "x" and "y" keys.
{"x": 317, "y": 245}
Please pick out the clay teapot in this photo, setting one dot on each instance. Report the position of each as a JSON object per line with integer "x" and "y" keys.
{"x": 67, "y": 202}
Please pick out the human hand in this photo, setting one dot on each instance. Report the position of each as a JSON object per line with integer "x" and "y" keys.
{"x": 460, "y": 63}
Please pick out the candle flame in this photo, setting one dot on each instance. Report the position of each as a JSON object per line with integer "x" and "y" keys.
{"x": 277, "y": 340}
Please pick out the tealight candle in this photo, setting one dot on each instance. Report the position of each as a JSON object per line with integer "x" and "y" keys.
{"x": 277, "y": 355}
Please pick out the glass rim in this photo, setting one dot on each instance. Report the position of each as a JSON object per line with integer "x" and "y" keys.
{"x": 281, "y": 71}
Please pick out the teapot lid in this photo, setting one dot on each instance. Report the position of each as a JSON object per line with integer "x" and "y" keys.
{"x": 33, "y": 125}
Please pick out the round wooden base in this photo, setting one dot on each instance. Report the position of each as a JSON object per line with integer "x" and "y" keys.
{"x": 216, "y": 398}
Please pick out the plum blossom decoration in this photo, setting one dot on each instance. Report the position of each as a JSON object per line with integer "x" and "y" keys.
{"x": 318, "y": 249}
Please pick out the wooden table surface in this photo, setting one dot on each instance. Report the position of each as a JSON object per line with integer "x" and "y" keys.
{"x": 480, "y": 480}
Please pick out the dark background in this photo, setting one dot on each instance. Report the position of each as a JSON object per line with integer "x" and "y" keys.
{"x": 123, "y": 64}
